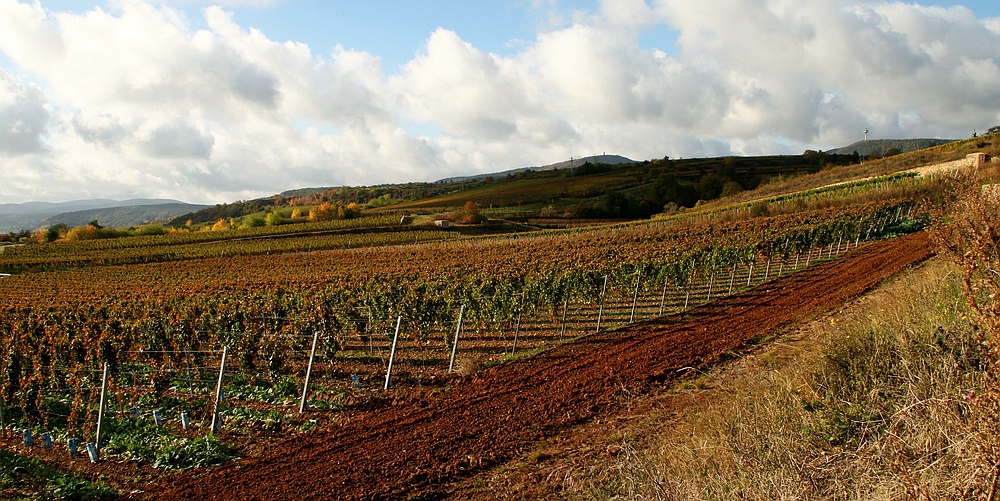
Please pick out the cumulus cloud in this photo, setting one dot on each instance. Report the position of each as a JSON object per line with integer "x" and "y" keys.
{"x": 23, "y": 117}
{"x": 135, "y": 100}
{"x": 100, "y": 128}
{"x": 175, "y": 140}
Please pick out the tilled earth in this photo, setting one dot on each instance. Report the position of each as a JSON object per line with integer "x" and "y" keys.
{"x": 415, "y": 446}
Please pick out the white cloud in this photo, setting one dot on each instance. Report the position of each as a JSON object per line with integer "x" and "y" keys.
{"x": 175, "y": 140}
{"x": 135, "y": 101}
{"x": 23, "y": 117}
{"x": 993, "y": 24}
{"x": 102, "y": 129}
{"x": 462, "y": 89}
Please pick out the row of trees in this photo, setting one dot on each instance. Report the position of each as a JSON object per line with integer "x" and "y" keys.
{"x": 325, "y": 211}
{"x": 92, "y": 231}
{"x": 14, "y": 237}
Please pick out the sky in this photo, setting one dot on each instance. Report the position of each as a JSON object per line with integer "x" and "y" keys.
{"x": 212, "y": 102}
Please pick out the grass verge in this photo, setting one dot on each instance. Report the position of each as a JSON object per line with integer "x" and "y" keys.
{"x": 878, "y": 401}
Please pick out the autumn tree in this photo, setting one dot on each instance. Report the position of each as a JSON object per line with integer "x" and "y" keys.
{"x": 88, "y": 232}
{"x": 322, "y": 212}
{"x": 273, "y": 218}
{"x": 470, "y": 213}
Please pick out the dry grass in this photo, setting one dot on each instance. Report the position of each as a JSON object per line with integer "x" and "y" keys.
{"x": 877, "y": 402}
{"x": 970, "y": 235}
{"x": 467, "y": 364}
{"x": 874, "y": 168}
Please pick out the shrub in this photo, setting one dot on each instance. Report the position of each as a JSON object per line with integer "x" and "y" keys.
{"x": 88, "y": 232}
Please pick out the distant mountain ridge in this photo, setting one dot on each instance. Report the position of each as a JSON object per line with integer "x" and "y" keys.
{"x": 565, "y": 164}
{"x": 880, "y": 147}
{"x": 124, "y": 217}
{"x": 121, "y": 213}
{"x": 134, "y": 212}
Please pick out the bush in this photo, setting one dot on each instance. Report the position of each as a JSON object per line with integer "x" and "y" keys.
{"x": 150, "y": 229}
{"x": 88, "y": 232}
{"x": 273, "y": 218}
{"x": 252, "y": 222}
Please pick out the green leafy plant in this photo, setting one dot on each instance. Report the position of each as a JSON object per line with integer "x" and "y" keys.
{"x": 142, "y": 440}
{"x": 27, "y": 478}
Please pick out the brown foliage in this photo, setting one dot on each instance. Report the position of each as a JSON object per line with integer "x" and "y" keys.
{"x": 971, "y": 237}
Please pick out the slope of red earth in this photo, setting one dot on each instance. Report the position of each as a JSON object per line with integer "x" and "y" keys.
{"x": 414, "y": 446}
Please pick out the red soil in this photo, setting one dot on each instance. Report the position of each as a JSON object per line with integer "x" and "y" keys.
{"x": 414, "y": 446}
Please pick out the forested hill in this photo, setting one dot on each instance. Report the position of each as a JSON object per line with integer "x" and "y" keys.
{"x": 583, "y": 190}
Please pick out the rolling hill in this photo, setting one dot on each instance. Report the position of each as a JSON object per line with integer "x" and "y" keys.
{"x": 581, "y": 188}
{"x": 566, "y": 164}
{"x": 119, "y": 213}
{"x": 881, "y": 147}
{"x": 125, "y": 216}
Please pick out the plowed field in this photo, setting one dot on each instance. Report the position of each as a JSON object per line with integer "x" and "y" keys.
{"x": 493, "y": 416}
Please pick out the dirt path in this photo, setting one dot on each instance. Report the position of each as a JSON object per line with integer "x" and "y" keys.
{"x": 498, "y": 414}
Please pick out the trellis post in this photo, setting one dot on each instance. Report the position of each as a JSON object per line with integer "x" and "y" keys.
{"x": 392, "y": 352}
{"x": 309, "y": 369}
{"x": 216, "y": 419}
{"x": 562, "y": 330}
{"x": 600, "y": 309}
{"x": 454, "y": 344}
{"x": 711, "y": 283}
{"x": 663, "y": 297}
{"x": 517, "y": 328}
{"x": 635, "y": 296}
{"x": 100, "y": 409}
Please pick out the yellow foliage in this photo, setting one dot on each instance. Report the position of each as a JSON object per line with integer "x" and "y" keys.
{"x": 327, "y": 211}
{"x": 322, "y": 212}
{"x": 88, "y": 232}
